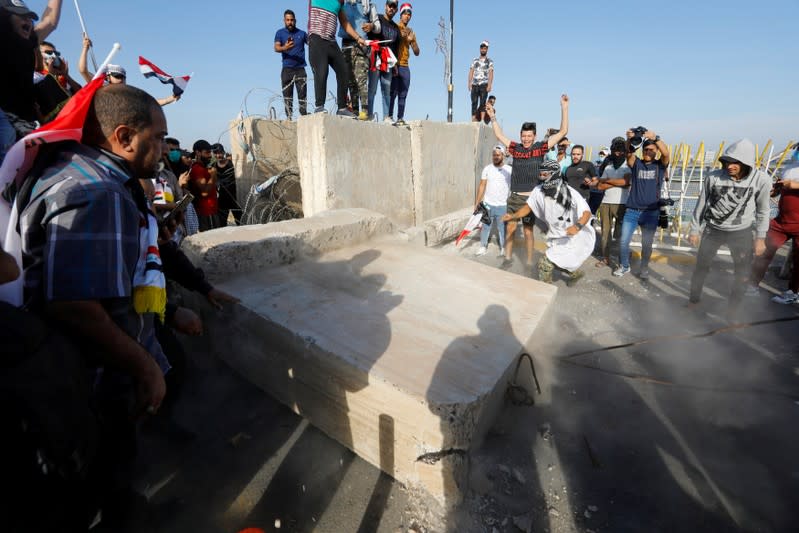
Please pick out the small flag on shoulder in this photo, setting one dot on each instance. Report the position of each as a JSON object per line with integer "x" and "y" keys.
{"x": 152, "y": 71}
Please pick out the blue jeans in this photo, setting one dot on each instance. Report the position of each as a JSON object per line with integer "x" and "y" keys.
{"x": 648, "y": 220}
{"x": 495, "y": 212}
{"x": 399, "y": 90}
{"x": 385, "y": 89}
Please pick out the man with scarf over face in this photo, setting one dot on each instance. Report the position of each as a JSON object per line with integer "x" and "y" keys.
{"x": 570, "y": 239}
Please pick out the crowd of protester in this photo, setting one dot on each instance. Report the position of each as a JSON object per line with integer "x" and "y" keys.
{"x": 93, "y": 349}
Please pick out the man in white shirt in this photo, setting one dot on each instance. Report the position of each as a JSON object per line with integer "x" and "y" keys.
{"x": 493, "y": 192}
{"x": 570, "y": 237}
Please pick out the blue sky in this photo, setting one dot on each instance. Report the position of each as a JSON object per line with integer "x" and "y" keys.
{"x": 700, "y": 70}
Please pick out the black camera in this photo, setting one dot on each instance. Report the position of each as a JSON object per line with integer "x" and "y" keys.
{"x": 638, "y": 137}
{"x": 663, "y": 202}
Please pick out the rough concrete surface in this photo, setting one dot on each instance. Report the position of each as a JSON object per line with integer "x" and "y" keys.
{"x": 688, "y": 425}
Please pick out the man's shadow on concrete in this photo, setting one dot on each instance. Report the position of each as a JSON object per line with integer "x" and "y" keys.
{"x": 282, "y": 472}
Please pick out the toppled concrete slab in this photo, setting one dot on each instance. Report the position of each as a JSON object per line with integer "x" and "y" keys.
{"x": 446, "y": 227}
{"x": 398, "y": 352}
{"x": 232, "y": 250}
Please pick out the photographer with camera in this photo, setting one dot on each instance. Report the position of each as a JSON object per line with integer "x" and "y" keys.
{"x": 733, "y": 201}
{"x": 647, "y": 176}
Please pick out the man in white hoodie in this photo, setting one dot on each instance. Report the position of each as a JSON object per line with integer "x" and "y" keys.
{"x": 733, "y": 203}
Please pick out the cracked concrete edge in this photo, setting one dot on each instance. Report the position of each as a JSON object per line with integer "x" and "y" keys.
{"x": 234, "y": 250}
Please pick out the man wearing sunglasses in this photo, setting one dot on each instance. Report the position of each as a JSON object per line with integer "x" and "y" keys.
{"x": 647, "y": 177}
{"x": 55, "y": 65}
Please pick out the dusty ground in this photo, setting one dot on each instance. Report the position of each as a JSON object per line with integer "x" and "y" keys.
{"x": 690, "y": 426}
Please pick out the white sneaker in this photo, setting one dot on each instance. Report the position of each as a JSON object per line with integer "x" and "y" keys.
{"x": 751, "y": 291}
{"x": 787, "y": 297}
{"x": 389, "y": 120}
{"x": 620, "y": 271}
{"x": 481, "y": 251}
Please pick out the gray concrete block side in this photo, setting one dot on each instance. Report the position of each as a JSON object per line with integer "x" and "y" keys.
{"x": 446, "y": 227}
{"x": 346, "y": 163}
{"x": 234, "y": 250}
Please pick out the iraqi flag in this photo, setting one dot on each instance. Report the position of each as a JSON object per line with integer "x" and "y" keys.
{"x": 151, "y": 71}
{"x": 67, "y": 126}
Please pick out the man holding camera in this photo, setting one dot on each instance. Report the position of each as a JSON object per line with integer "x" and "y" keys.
{"x": 732, "y": 202}
{"x": 290, "y": 42}
{"x": 648, "y": 174}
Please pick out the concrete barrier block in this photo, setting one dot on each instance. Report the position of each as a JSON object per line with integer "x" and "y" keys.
{"x": 446, "y": 227}
{"x": 233, "y": 250}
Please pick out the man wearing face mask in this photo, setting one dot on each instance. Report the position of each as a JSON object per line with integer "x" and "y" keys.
{"x": 733, "y": 202}
{"x": 203, "y": 185}
{"x": 570, "y": 237}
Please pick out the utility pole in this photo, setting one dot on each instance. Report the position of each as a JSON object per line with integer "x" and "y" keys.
{"x": 451, "y": 50}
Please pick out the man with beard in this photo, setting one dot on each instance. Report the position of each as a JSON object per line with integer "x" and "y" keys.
{"x": 527, "y": 158}
{"x": 614, "y": 184}
{"x": 642, "y": 208}
{"x": 203, "y": 185}
{"x": 226, "y": 177}
{"x": 290, "y": 42}
{"x": 382, "y": 75}
{"x": 481, "y": 78}
{"x": 19, "y": 38}
{"x": 580, "y": 172}
{"x": 732, "y": 202}
{"x": 570, "y": 237}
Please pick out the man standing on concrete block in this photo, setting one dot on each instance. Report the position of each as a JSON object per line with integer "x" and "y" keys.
{"x": 382, "y": 73}
{"x": 290, "y": 41}
{"x": 362, "y": 14}
{"x": 570, "y": 237}
{"x": 402, "y": 81}
{"x": 493, "y": 190}
{"x": 527, "y": 158}
{"x": 323, "y": 51}
{"x": 733, "y": 202}
{"x": 481, "y": 79}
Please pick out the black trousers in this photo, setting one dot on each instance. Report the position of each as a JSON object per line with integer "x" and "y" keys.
{"x": 289, "y": 79}
{"x": 479, "y": 97}
{"x": 321, "y": 54}
{"x": 740, "y": 244}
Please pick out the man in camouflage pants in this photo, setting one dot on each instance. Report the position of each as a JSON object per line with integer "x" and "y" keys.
{"x": 362, "y": 14}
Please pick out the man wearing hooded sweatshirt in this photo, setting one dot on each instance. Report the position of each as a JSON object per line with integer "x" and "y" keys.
{"x": 570, "y": 239}
{"x": 733, "y": 202}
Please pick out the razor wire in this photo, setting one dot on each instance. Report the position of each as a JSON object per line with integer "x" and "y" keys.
{"x": 270, "y": 201}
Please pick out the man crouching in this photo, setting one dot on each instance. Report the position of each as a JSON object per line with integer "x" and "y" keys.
{"x": 570, "y": 240}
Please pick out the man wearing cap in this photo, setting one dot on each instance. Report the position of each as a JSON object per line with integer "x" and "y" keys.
{"x": 362, "y": 14}
{"x": 642, "y": 208}
{"x": 732, "y": 203}
{"x": 202, "y": 184}
{"x": 402, "y": 81}
{"x": 493, "y": 192}
{"x": 290, "y": 42}
{"x": 323, "y": 51}
{"x": 481, "y": 78}
{"x": 382, "y": 74}
{"x": 570, "y": 237}
{"x": 527, "y": 158}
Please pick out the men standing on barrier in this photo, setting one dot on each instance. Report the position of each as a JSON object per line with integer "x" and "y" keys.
{"x": 481, "y": 79}
{"x": 570, "y": 237}
{"x": 732, "y": 203}
{"x": 382, "y": 74}
{"x": 362, "y": 14}
{"x": 323, "y": 51}
{"x": 527, "y": 158}
{"x": 402, "y": 81}
{"x": 290, "y": 42}
{"x": 782, "y": 228}
{"x": 493, "y": 191}
{"x": 647, "y": 176}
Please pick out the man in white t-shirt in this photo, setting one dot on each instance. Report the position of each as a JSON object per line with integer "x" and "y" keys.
{"x": 570, "y": 237}
{"x": 614, "y": 182}
{"x": 493, "y": 192}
